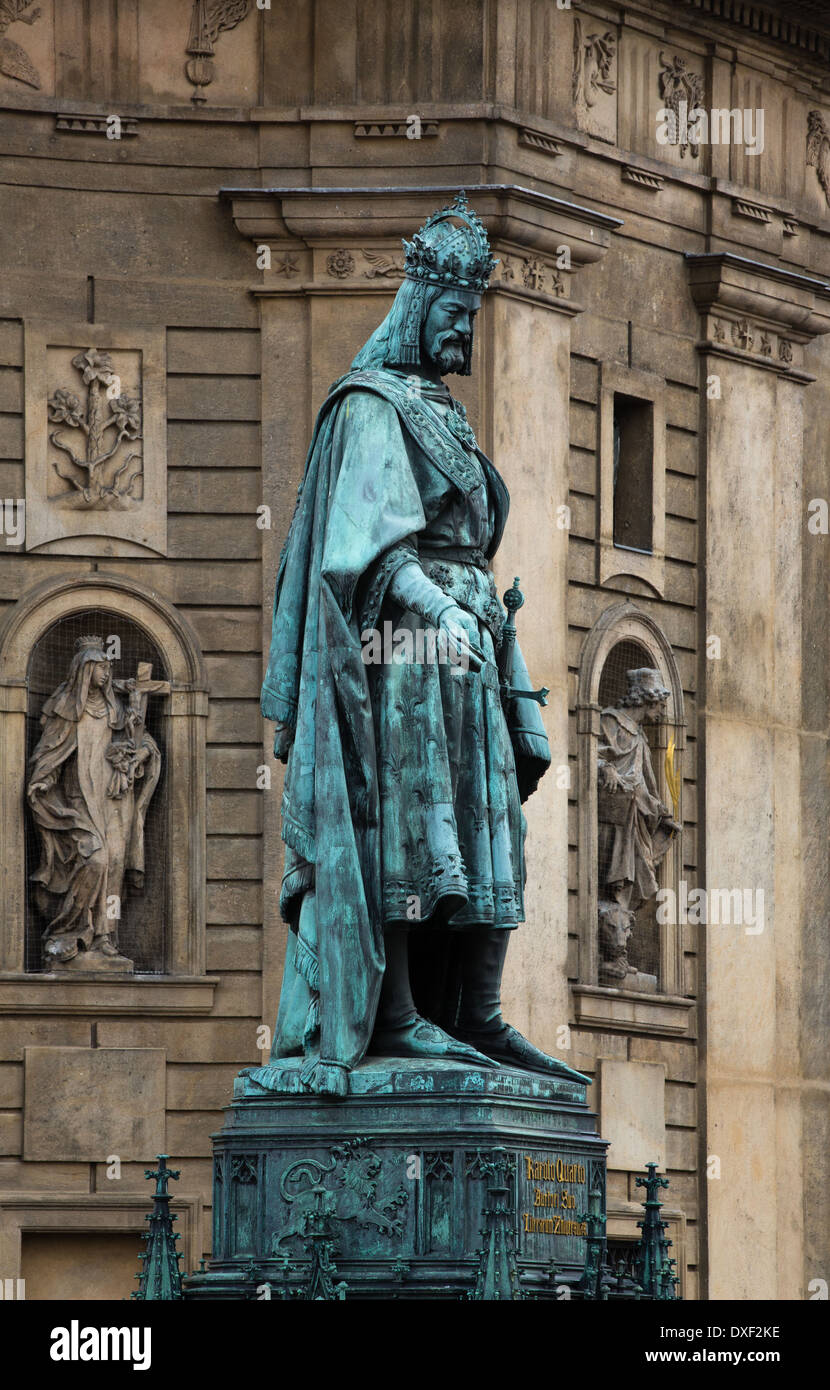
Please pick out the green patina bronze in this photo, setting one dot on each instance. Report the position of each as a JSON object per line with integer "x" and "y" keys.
{"x": 498, "y": 1273}
{"x": 431, "y": 1179}
{"x": 403, "y": 1140}
{"x": 655, "y": 1270}
{"x": 403, "y": 706}
{"x": 160, "y": 1278}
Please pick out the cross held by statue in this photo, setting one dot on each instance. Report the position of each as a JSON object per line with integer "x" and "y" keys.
{"x": 137, "y": 689}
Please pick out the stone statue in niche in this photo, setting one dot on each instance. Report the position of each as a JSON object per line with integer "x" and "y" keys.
{"x": 615, "y": 927}
{"x": 635, "y": 826}
{"x": 91, "y": 779}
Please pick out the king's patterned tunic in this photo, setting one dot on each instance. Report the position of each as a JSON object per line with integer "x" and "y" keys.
{"x": 452, "y": 827}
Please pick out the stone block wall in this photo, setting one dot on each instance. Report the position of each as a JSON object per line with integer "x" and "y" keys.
{"x": 548, "y": 116}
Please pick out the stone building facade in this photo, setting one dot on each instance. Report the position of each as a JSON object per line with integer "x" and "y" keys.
{"x": 213, "y": 195}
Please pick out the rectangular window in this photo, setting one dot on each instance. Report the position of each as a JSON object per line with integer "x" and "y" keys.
{"x": 633, "y": 473}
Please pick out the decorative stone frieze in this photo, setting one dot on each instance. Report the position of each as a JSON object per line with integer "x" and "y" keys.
{"x": 758, "y": 313}
{"x": 349, "y": 240}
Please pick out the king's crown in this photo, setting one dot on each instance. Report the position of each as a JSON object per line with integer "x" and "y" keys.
{"x": 451, "y": 249}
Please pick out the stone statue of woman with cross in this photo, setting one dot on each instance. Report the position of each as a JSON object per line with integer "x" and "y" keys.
{"x": 91, "y": 779}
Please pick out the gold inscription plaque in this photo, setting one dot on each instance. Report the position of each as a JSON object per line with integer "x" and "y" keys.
{"x": 560, "y": 1219}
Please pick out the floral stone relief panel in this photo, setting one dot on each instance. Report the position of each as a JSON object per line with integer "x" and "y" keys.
{"x": 26, "y": 46}
{"x": 96, "y": 473}
{"x": 594, "y": 82}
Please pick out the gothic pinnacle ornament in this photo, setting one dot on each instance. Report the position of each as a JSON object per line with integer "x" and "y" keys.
{"x": 160, "y": 1278}
{"x": 498, "y": 1274}
{"x": 655, "y": 1273}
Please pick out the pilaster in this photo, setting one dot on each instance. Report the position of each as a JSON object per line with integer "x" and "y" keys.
{"x": 756, "y": 320}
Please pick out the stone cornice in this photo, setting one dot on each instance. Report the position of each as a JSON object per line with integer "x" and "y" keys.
{"x": 318, "y": 218}
{"x": 723, "y": 282}
{"x": 625, "y": 1011}
{"x": 130, "y": 996}
{"x": 306, "y": 288}
{"x": 798, "y": 25}
{"x": 757, "y": 314}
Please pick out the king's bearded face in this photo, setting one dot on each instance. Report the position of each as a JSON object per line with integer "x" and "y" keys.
{"x": 447, "y": 330}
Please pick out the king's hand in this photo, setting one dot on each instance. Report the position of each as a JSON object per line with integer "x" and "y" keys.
{"x": 461, "y": 630}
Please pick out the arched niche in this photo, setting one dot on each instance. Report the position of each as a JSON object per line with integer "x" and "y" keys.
{"x": 623, "y": 637}
{"x": 154, "y": 630}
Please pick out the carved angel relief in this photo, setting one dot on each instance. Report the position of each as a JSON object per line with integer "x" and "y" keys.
{"x": 818, "y": 150}
{"x": 14, "y": 60}
{"x": 107, "y": 420}
{"x": 382, "y": 266}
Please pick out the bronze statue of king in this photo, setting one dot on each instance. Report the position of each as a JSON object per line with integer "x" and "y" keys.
{"x": 407, "y": 763}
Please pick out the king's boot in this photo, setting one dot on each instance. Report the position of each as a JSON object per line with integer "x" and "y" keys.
{"x": 400, "y": 1031}
{"x": 480, "y": 1024}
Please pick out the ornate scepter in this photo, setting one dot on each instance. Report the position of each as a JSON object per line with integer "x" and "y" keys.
{"x": 513, "y": 600}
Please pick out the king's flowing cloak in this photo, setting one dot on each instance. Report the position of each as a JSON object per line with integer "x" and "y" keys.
{"x": 380, "y": 465}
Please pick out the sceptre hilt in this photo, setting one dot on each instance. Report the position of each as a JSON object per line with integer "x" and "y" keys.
{"x": 513, "y": 600}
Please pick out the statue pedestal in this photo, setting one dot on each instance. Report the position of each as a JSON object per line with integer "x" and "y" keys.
{"x": 92, "y": 963}
{"x": 396, "y": 1177}
{"x": 633, "y": 980}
